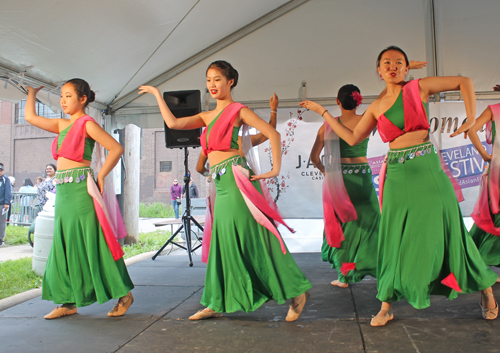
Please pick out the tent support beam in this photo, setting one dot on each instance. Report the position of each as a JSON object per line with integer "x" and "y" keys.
{"x": 212, "y": 49}
{"x": 31, "y": 81}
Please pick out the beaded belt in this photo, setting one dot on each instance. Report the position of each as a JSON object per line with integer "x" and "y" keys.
{"x": 220, "y": 168}
{"x": 402, "y": 155}
{"x": 356, "y": 168}
{"x": 68, "y": 176}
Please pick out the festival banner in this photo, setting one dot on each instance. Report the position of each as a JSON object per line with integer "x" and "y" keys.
{"x": 297, "y": 190}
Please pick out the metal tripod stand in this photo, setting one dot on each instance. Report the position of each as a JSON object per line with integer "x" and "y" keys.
{"x": 186, "y": 219}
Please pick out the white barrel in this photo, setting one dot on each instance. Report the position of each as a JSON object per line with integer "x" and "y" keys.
{"x": 44, "y": 234}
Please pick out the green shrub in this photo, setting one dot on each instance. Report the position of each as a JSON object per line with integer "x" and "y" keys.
{"x": 156, "y": 210}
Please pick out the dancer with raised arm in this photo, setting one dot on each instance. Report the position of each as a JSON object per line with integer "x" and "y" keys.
{"x": 352, "y": 222}
{"x": 248, "y": 262}
{"x": 85, "y": 263}
{"x": 424, "y": 247}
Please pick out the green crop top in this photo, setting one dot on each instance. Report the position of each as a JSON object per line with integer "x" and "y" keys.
{"x": 348, "y": 151}
{"x": 89, "y": 144}
{"x": 396, "y": 113}
{"x": 234, "y": 138}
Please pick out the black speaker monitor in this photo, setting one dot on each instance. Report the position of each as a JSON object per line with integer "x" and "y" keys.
{"x": 182, "y": 104}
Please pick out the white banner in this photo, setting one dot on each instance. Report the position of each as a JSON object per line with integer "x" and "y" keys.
{"x": 297, "y": 190}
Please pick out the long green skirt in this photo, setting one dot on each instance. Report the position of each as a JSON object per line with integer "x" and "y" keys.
{"x": 361, "y": 235}
{"x": 80, "y": 269}
{"x": 488, "y": 244}
{"x": 422, "y": 236}
{"x": 246, "y": 266}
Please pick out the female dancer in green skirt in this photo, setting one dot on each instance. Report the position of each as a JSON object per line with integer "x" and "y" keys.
{"x": 81, "y": 268}
{"x": 248, "y": 263}
{"x": 358, "y": 248}
{"x": 486, "y": 229}
{"x": 424, "y": 247}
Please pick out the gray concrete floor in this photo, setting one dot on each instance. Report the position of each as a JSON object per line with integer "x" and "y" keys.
{"x": 168, "y": 291}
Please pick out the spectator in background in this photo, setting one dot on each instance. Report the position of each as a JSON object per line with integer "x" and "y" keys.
{"x": 46, "y": 185}
{"x": 26, "y": 200}
{"x": 38, "y": 181}
{"x": 12, "y": 184}
{"x": 175, "y": 196}
{"x": 5, "y": 194}
{"x": 193, "y": 190}
{"x": 27, "y": 186}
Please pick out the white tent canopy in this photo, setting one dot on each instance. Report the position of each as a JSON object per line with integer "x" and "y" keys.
{"x": 276, "y": 45}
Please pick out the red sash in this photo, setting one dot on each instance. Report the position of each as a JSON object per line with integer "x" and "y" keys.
{"x": 221, "y": 132}
{"x": 73, "y": 145}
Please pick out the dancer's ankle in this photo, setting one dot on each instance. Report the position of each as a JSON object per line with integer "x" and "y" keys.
{"x": 488, "y": 298}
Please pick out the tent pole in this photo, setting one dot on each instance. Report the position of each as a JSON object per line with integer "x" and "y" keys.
{"x": 435, "y": 70}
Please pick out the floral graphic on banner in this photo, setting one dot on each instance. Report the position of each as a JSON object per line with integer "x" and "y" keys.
{"x": 279, "y": 184}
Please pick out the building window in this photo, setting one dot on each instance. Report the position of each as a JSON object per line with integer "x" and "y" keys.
{"x": 40, "y": 108}
{"x": 166, "y": 166}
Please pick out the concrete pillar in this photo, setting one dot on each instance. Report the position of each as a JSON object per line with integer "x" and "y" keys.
{"x": 131, "y": 184}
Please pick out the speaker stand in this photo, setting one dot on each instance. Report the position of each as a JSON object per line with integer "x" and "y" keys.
{"x": 186, "y": 219}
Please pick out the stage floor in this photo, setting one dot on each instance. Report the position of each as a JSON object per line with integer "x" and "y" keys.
{"x": 334, "y": 320}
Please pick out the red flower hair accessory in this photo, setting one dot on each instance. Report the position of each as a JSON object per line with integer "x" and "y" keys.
{"x": 357, "y": 97}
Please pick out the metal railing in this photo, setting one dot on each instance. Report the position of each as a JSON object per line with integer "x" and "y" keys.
{"x": 23, "y": 209}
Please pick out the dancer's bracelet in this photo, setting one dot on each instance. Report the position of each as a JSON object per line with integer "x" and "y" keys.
{"x": 324, "y": 113}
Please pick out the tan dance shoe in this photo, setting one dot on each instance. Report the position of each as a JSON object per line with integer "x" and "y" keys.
{"x": 203, "y": 314}
{"x": 339, "y": 284}
{"x": 60, "y": 312}
{"x": 122, "y": 306}
{"x": 382, "y": 320}
{"x": 488, "y": 314}
{"x": 297, "y": 306}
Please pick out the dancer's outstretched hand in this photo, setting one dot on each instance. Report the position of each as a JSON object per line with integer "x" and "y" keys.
{"x": 315, "y": 107}
{"x": 34, "y": 90}
{"x": 148, "y": 89}
{"x": 273, "y": 102}
{"x": 464, "y": 128}
{"x": 417, "y": 64}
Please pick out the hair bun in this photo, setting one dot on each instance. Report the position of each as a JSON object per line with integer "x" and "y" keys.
{"x": 91, "y": 96}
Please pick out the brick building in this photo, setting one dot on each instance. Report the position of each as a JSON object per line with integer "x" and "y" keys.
{"x": 24, "y": 149}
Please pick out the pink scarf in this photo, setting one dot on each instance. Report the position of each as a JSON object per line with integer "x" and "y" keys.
{"x": 261, "y": 206}
{"x": 337, "y": 206}
{"x": 488, "y": 200}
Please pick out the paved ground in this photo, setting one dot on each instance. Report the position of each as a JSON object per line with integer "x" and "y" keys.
{"x": 168, "y": 291}
{"x": 8, "y": 252}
